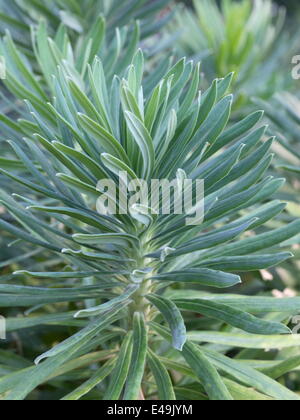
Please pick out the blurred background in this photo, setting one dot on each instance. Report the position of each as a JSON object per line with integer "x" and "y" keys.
{"x": 291, "y": 5}
{"x": 258, "y": 41}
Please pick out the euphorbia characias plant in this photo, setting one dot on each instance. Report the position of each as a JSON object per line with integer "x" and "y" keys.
{"x": 244, "y": 36}
{"x": 132, "y": 284}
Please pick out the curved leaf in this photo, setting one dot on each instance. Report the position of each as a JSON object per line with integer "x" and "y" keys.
{"x": 173, "y": 316}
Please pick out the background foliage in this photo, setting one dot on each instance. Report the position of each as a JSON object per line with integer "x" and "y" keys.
{"x": 132, "y": 307}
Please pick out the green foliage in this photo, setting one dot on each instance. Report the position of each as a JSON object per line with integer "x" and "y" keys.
{"x": 246, "y": 37}
{"x": 79, "y": 17}
{"x": 283, "y": 113}
{"x": 123, "y": 293}
{"x": 104, "y": 31}
{"x": 78, "y": 49}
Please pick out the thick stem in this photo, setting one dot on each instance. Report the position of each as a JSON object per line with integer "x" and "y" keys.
{"x": 140, "y": 303}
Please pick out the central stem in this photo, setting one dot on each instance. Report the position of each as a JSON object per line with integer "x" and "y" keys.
{"x": 140, "y": 303}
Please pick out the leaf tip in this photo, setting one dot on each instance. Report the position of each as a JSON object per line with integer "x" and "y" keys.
{"x": 39, "y": 359}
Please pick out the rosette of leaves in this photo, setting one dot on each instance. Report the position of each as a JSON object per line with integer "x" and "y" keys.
{"x": 122, "y": 304}
{"x": 33, "y": 80}
{"x": 22, "y": 73}
{"x": 79, "y": 29}
{"x": 284, "y": 114}
{"x": 246, "y": 37}
{"x": 92, "y": 27}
